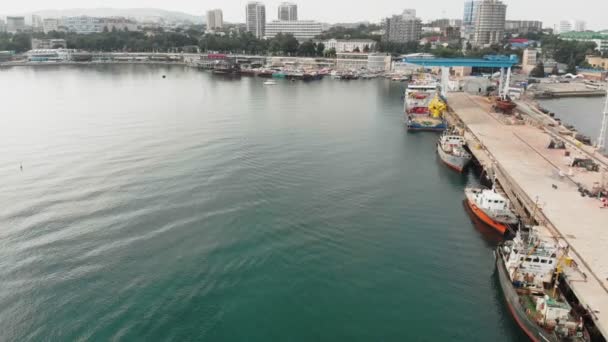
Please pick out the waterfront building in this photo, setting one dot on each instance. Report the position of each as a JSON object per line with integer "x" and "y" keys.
{"x": 40, "y": 44}
{"x": 379, "y": 62}
{"x": 349, "y": 45}
{"x": 403, "y": 28}
{"x": 215, "y": 19}
{"x": 301, "y": 29}
{"x": 565, "y": 26}
{"x": 529, "y": 60}
{"x": 597, "y": 62}
{"x": 580, "y": 26}
{"x": 489, "y": 20}
{"x": 15, "y": 24}
{"x": 51, "y": 24}
{"x": 351, "y": 61}
{"x": 255, "y": 13}
{"x": 288, "y": 11}
{"x": 523, "y": 26}
{"x": 600, "y": 39}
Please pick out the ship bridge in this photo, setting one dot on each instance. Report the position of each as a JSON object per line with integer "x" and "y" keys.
{"x": 504, "y": 63}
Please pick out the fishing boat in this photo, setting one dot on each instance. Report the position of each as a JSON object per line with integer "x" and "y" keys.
{"x": 270, "y": 83}
{"x": 491, "y": 208}
{"x": 450, "y": 148}
{"x": 423, "y": 107}
{"x": 529, "y": 269}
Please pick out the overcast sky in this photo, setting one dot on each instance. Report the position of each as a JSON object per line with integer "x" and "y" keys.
{"x": 549, "y": 11}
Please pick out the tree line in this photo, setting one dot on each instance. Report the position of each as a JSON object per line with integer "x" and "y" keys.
{"x": 563, "y": 51}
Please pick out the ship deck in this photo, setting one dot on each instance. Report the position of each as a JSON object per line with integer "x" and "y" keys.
{"x": 541, "y": 182}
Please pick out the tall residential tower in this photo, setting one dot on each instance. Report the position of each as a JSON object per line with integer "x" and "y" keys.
{"x": 215, "y": 19}
{"x": 288, "y": 11}
{"x": 255, "y": 13}
{"x": 403, "y": 28}
{"x": 489, "y": 21}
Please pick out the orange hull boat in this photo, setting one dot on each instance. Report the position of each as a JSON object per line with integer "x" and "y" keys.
{"x": 499, "y": 227}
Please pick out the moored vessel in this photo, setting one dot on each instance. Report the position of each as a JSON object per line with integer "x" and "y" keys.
{"x": 450, "y": 148}
{"x": 528, "y": 271}
{"x": 491, "y": 208}
{"x": 423, "y": 107}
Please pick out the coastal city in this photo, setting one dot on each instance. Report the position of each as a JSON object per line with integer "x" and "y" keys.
{"x": 513, "y": 112}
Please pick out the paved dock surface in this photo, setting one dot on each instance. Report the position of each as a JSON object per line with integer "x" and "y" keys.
{"x": 520, "y": 151}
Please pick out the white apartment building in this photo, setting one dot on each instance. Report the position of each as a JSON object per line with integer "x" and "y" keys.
{"x": 215, "y": 19}
{"x": 489, "y": 22}
{"x": 302, "y": 29}
{"x": 255, "y": 18}
{"x": 288, "y": 11}
{"x": 580, "y": 26}
{"x": 565, "y": 26}
{"x": 15, "y": 24}
{"x": 349, "y": 45}
{"x": 403, "y": 28}
{"x": 37, "y": 25}
{"x": 51, "y": 24}
{"x": 83, "y": 24}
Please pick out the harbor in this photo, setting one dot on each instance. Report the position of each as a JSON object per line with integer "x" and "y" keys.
{"x": 544, "y": 190}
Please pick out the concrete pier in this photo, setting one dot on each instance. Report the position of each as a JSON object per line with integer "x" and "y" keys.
{"x": 541, "y": 185}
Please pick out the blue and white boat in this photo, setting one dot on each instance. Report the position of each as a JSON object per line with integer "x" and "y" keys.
{"x": 423, "y": 107}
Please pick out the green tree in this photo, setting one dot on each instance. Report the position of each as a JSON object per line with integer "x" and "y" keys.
{"x": 307, "y": 49}
{"x": 555, "y": 70}
{"x": 571, "y": 69}
{"x": 331, "y": 53}
{"x": 366, "y": 48}
{"x": 320, "y": 49}
{"x": 356, "y": 49}
{"x": 538, "y": 71}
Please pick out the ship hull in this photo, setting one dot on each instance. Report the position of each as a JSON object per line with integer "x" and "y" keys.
{"x": 533, "y": 331}
{"x": 456, "y": 163}
{"x": 433, "y": 125}
{"x": 485, "y": 218}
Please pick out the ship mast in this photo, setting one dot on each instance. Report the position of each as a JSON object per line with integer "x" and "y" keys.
{"x": 601, "y": 143}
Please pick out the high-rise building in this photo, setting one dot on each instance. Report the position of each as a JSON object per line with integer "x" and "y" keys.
{"x": 15, "y": 24}
{"x": 255, "y": 13}
{"x": 301, "y": 29}
{"x": 50, "y": 24}
{"x": 403, "y": 28}
{"x": 2, "y": 26}
{"x": 468, "y": 24}
{"x": 523, "y": 26}
{"x": 215, "y": 19}
{"x": 36, "y": 23}
{"x": 565, "y": 26}
{"x": 489, "y": 21}
{"x": 288, "y": 11}
{"x": 580, "y": 26}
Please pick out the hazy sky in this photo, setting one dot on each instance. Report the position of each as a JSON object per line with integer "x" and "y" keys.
{"x": 549, "y": 11}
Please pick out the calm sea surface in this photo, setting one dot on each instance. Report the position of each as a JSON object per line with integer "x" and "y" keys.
{"x": 206, "y": 209}
{"x": 584, "y": 113}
